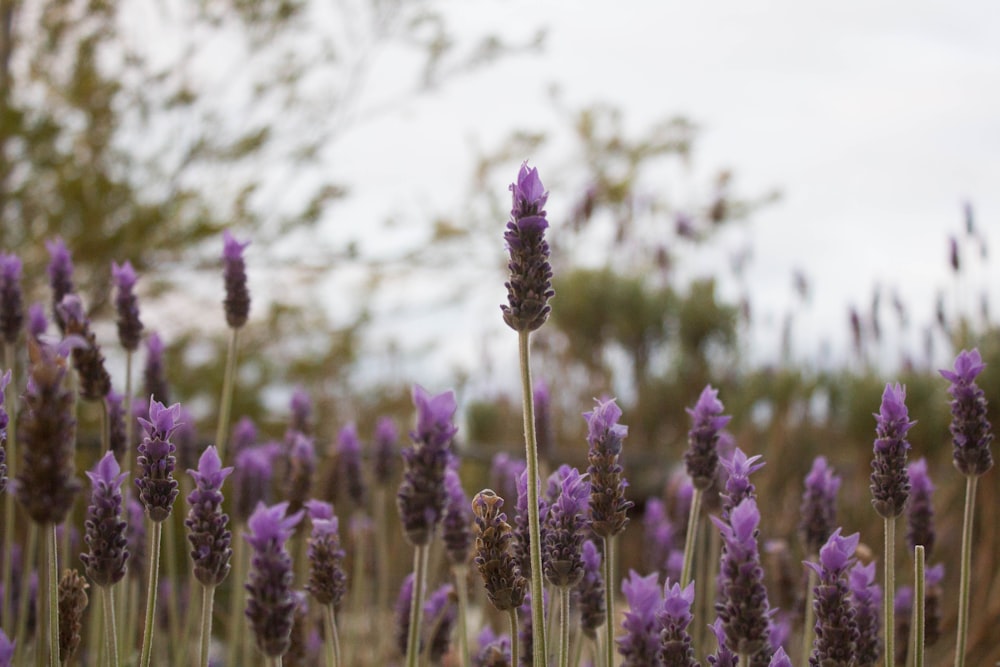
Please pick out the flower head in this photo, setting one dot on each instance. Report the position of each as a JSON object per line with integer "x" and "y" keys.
{"x": 780, "y": 659}
{"x": 971, "y": 432}
{"x": 722, "y": 657}
{"x": 60, "y": 270}
{"x": 234, "y": 271}
{"x": 104, "y": 526}
{"x": 327, "y": 581}
{"x": 154, "y": 374}
{"x": 866, "y": 596}
{"x": 702, "y": 455}
{"x": 301, "y": 411}
{"x": 457, "y": 525}
{"x": 836, "y": 625}
{"x": 386, "y": 443}
{"x": 95, "y": 383}
{"x": 608, "y": 506}
{"x": 920, "y": 510}
{"x": 505, "y": 585}
{"x": 590, "y": 591}
{"x": 738, "y": 485}
{"x": 157, "y": 487}
{"x": 126, "y": 305}
{"x": 73, "y": 600}
{"x": 11, "y": 298}
{"x": 674, "y": 618}
{"x": 640, "y": 644}
{"x": 38, "y": 324}
{"x": 254, "y": 468}
{"x": 349, "y": 463}
{"x": 890, "y": 484}
{"x": 818, "y": 511}
{"x": 566, "y": 527}
{"x": 207, "y": 524}
{"x": 529, "y": 287}
{"x": 302, "y": 466}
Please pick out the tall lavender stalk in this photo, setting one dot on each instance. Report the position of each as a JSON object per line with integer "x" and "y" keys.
{"x": 890, "y": 486}
{"x": 11, "y": 323}
{"x": 817, "y": 520}
{"x": 529, "y": 289}
{"x": 129, "y": 335}
{"x": 237, "y": 307}
{"x": 457, "y": 535}
{"x": 836, "y": 627}
{"x": 327, "y": 581}
{"x": 6, "y": 605}
{"x": 971, "y": 435}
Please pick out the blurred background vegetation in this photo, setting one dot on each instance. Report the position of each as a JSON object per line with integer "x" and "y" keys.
{"x": 127, "y": 152}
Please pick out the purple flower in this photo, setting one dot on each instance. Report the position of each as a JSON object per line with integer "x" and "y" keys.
{"x": 154, "y": 374}
{"x": 302, "y": 465}
{"x": 641, "y": 643}
{"x": 890, "y": 484}
{"x": 136, "y": 536}
{"x": 157, "y": 487}
{"x": 386, "y": 442}
{"x": 95, "y": 383}
{"x": 4, "y": 420}
{"x": 244, "y": 435}
{"x": 60, "y": 270}
{"x": 440, "y": 615}
{"x": 674, "y": 618}
{"x": 116, "y": 425}
{"x": 722, "y": 657}
{"x": 566, "y": 529}
{"x": 658, "y": 534}
{"x": 349, "y": 463}
{"x": 780, "y": 659}
{"x": 403, "y": 603}
{"x": 818, "y": 511}
{"x": 234, "y": 271}
{"x": 971, "y": 432}
{"x": 521, "y": 539}
{"x": 529, "y": 287}
{"x": 301, "y": 411}
{"x": 37, "y": 322}
{"x": 590, "y": 591}
{"x": 252, "y": 478}
{"x": 608, "y": 506}
{"x": 702, "y": 456}
{"x": 493, "y": 651}
{"x": 457, "y": 525}
{"x": 126, "y": 305}
{"x": 738, "y": 485}
{"x": 505, "y": 585}
{"x": 743, "y": 605}
{"x": 104, "y": 527}
{"x": 866, "y": 596}
{"x": 207, "y": 524}
{"x": 920, "y": 510}
{"x": 46, "y": 480}
{"x": 11, "y": 298}
{"x": 421, "y": 498}
{"x": 7, "y": 647}
{"x": 545, "y": 435}
{"x": 836, "y": 635}
{"x": 327, "y": 581}
{"x": 271, "y": 602}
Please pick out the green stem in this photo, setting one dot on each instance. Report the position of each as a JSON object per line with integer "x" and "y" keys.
{"x": 154, "y": 571}
{"x": 420, "y": 553}
{"x": 130, "y": 450}
{"x": 609, "y": 600}
{"x": 563, "y": 626}
{"x": 110, "y": 628}
{"x": 691, "y": 538}
{"x": 7, "y": 604}
{"x": 333, "y": 641}
{"x": 207, "y": 605}
{"x": 177, "y": 643}
{"x": 29, "y": 562}
{"x": 53, "y": 586}
{"x": 512, "y": 617}
{"x": 966, "y": 569}
{"x": 462, "y": 589}
{"x": 534, "y": 540}
{"x": 919, "y": 593}
{"x": 382, "y": 557}
{"x": 226, "y": 402}
{"x": 808, "y": 627}
{"x": 888, "y": 610}
{"x": 236, "y": 602}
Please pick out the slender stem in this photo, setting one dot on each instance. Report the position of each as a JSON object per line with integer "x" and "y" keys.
{"x": 236, "y": 602}
{"x": 130, "y": 451}
{"x": 692, "y": 536}
{"x": 420, "y": 553}
{"x": 110, "y": 628}
{"x": 382, "y": 557}
{"x": 919, "y": 593}
{"x": 30, "y": 561}
{"x": 744, "y": 660}
{"x": 154, "y": 571}
{"x": 332, "y": 639}
{"x": 277, "y": 661}
{"x": 207, "y": 604}
{"x": 534, "y": 531}
{"x": 53, "y": 586}
{"x": 808, "y": 627}
{"x": 888, "y": 610}
{"x": 577, "y": 649}
{"x": 226, "y": 402}
{"x": 512, "y": 617}
{"x": 173, "y": 602}
{"x": 609, "y": 600}
{"x": 966, "y": 569}
{"x": 462, "y": 589}
{"x": 7, "y": 604}
{"x": 563, "y": 626}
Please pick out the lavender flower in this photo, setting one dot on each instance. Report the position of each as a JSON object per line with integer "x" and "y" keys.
{"x": 722, "y": 657}
{"x": 836, "y": 639}
{"x": 421, "y": 498}
{"x": 530, "y": 285}
{"x": 440, "y": 614}
{"x": 237, "y": 301}
{"x": 545, "y": 435}
{"x": 154, "y": 374}
{"x": 566, "y": 528}
{"x": 702, "y": 456}
{"x": 738, "y": 485}
{"x": 37, "y": 322}
{"x": 933, "y": 595}
{"x": 104, "y": 527}
{"x": 136, "y": 535}
{"x": 403, "y": 603}
{"x": 349, "y": 463}
{"x": 126, "y": 305}
{"x": 244, "y": 435}
{"x": 608, "y": 506}
{"x": 521, "y": 538}
{"x": 590, "y": 591}
{"x": 301, "y": 411}
{"x": 46, "y": 481}
{"x": 252, "y": 478}
{"x": 780, "y": 659}
{"x": 60, "y": 270}
{"x": 866, "y": 597}
{"x": 890, "y": 484}
{"x": 674, "y": 618}
{"x": 658, "y": 535}
{"x": 117, "y": 439}
{"x": 386, "y": 441}
{"x": 72, "y": 603}
{"x": 457, "y": 525}
{"x": 7, "y": 647}
{"x": 743, "y": 605}
{"x": 95, "y": 383}
{"x": 271, "y": 602}
{"x": 327, "y": 581}
{"x": 11, "y": 298}
{"x": 157, "y": 487}
{"x": 971, "y": 432}
{"x": 207, "y": 524}
{"x": 818, "y": 511}
{"x": 505, "y": 585}
{"x": 302, "y": 465}
{"x": 920, "y": 510}
{"x": 493, "y": 651}
{"x": 640, "y": 645}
